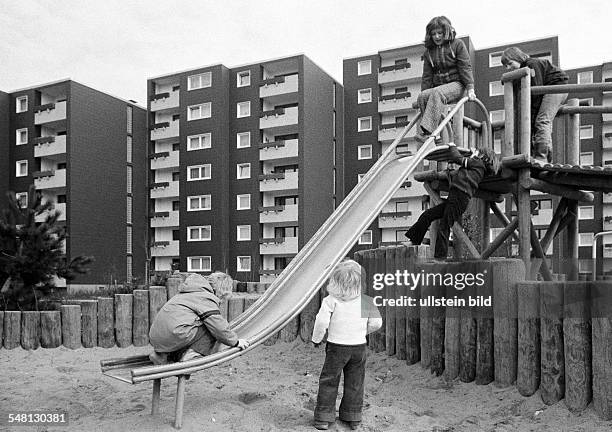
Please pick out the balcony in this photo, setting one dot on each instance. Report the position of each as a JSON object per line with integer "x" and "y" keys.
{"x": 278, "y": 182}
{"x": 279, "y": 86}
{"x": 607, "y": 140}
{"x": 607, "y": 223}
{"x": 49, "y": 146}
{"x": 278, "y": 246}
{"x": 390, "y": 131}
{"x": 61, "y": 207}
{"x": 395, "y": 103}
{"x": 395, "y": 220}
{"x": 165, "y": 190}
{"x": 169, "y": 159}
{"x": 400, "y": 73}
{"x": 278, "y": 150}
{"x": 165, "y": 219}
{"x": 165, "y": 130}
{"x": 606, "y": 117}
{"x": 410, "y": 189}
{"x": 281, "y": 119}
{"x": 165, "y": 249}
{"x": 52, "y": 179}
{"x": 607, "y": 198}
{"x": 50, "y": 112}
{"x": 165, "y": 101}
{"x": 278, "y": 214}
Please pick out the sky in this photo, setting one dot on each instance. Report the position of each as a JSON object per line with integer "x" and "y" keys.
{"x": 116, "y": 45}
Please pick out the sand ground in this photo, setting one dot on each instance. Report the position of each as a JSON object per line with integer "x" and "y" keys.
{"x": 270, "y": 389}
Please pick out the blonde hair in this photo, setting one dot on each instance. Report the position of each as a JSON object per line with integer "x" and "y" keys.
{"x": 221, "y": 283}
{"x": 345, "y": 281}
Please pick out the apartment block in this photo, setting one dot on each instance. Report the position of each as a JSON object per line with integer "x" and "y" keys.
{"x": 84, "y": 151}
{"x": 245, "y": 164}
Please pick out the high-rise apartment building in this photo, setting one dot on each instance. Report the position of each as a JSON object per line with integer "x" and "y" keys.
{"x": 85, "y": 151}
{"x": 245, "y": 165}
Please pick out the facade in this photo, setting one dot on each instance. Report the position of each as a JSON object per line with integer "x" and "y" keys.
{"x": 84, "y": 150}
{"x": 245, "y": 165}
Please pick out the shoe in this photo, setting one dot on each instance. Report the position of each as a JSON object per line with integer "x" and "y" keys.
{"x": 321, "y": 425}
{"x": 354, "y": 425}
{"x": 190, "y": 355}
{"x": 158, "y": 358}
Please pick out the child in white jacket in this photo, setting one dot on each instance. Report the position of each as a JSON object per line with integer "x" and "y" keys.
{"x": 348, "y": 317}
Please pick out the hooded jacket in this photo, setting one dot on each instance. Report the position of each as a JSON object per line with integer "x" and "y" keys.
{"x": 176, "y": 324}
{"x": 447, "y": 63}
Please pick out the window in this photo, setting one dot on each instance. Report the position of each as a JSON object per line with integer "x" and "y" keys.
{"x": 584, "y": 77}
{"x": 199, "y": 233}
{"x": 128, "y": 206}
{"x": 364, "y": 124}
{"x": 495, "y": 58}
{"x": 364, "y": 95}
{"x": 585, "y": 239}
{"x": 243, "y": 263}
{"x": 497, "y": 115}
{"x": 21, "y": 168}
{"x": 128, "y": 236}
{"x": 176, "y": 176}
{"x": 364, "y": 67}
{"x": 360, "y": 177}
{"x": 198, "y": 172}
{"x": 243, "y": 79}
{"x": 586, "y": 212}
{"x": 129, "y": 118}
{"x": 496, "y": 88}
{"x": 243, "y": 109}
{"x": 243, "y": 232}
{"x": 198, "y": 142}
{"x": 198, "y": 81}
{"x": 21, "y": 104}
{"x": 243, "y": 140}
{"x": 200, "y": 111}
{"x": 545, "y": 204}
{"x": 364, "y": 152}
{"x": 366, "y": 238}
{"x": 198, "y": 263}
{"x": 129, "y": 149}
{"x": 243, "y": 202}
{"x": 22, "y": 199}
{"x": 243, "y": 171}
{"x": 21, "y": 136}
{"x": 198, "y": 202}
{"x": 128, "y": 179}
{"x": 586, "y": 132}
{"x": 497, "y": 141}
{"x": 586, "y": 158}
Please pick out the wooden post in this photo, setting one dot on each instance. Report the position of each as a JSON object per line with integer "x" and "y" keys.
{"x": 1, "y": 328}
{"x": 157, "y": 298}
{"x": 291, "y": 330}
{"x": 106, "y": 322}
{"x": 71, "y": 326}
{"x": 180, "y": 401}
{"x": 601, "y": 311}
{"x": 51, "y": 329}
{"x": 140, "y": 324}
{"x": 248, "y": 302}
{"x": 524, "y": 201}
{"x": 390, "y": 292}
{"x": 89, "y": 323}
{"x": 307, "y": 317}
{"x": 528, "y": 373}
{"x": 573, "y": 158}
{"x": 438, "y": 313}
{"x": 155, "y": 398}
{"x": 413, "y": 319}
{"x": 12, "y": 329}
{"x": 401, "y": 312}
{"x": 508, "y": 142}
{"x": 381, "y": 335}
{"x": 123, "y": 319}
{"x": 369, "y": 265}
{"x": 172, "y": 285}
{"x": 235, "y": 306}
{"x": 426, "y": 318}
{"x": 484, "y": 370}
{"x": 452, "y": 333}
{"x": 552, "y": 387}
{"x": 223, "y": 308}
{"x": 505, "y": 275}
{"x": 30, "y": 330}
{"x": 467, "y": 344}
{"x": 577, "y": 345}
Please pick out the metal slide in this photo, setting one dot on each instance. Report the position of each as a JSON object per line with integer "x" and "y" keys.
{"x": 291, "y": 292}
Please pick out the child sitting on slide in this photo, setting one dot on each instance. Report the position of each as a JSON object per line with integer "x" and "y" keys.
{"x": 347, "y": 317}
{"x": 190, "y": 323}
{"x": 463, "y": 183}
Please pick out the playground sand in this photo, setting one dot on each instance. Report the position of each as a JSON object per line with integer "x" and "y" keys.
{"x": 271, "y": 389}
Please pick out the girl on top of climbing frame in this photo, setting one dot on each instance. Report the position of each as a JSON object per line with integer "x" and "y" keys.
{"x": 543, "y": 107}
{"x": 447, "y": 75}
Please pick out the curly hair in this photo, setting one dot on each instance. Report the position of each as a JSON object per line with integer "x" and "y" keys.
{"x": 439, "y": 22}
{"x": 345, "y": 281}
{"x": 222, "y": 283}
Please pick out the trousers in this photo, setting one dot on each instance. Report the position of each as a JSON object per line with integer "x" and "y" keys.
{"x": 432, "y": 103}
{"x": 543, "y": 125}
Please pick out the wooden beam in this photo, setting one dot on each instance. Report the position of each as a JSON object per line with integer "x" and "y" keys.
{"x": 502, "y": 217}
{"x": 539, "y": 253}
{"x": 457, "y": 230}
{"x": 594, "y": 183}
{"x": 442, "y": 185}
{"x": 523, "y": 197}
{"x": 551, "y": 232}
{"x": 555, "y": 189}
{"x": 500, "y": 239}
{"x": 571, "y": 88}
{"x": 508, "y": 143}
{"x": 573, "y": 158}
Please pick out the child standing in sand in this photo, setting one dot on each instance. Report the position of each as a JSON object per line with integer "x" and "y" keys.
{"x": 348, "y": 317}
{"x": 463, "y": 183}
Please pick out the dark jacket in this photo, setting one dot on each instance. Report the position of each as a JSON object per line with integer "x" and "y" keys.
{"x": 545, "y": 73}
{"x": 469, "y": 175}
{"x": 447, "y": 63}
{"x": 177, "y": 322}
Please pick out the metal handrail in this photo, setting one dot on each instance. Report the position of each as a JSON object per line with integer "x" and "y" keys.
{"x": 594, "y": 250}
